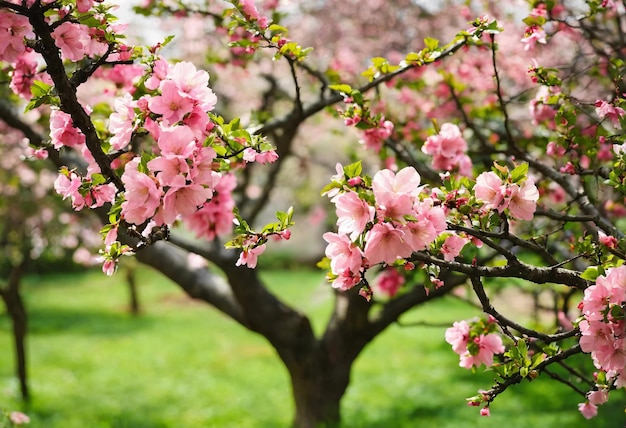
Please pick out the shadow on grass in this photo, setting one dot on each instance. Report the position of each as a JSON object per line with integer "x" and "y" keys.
{"x": 138, "y": 417}
{"x": 537, "y": 404}
{"x": 44, "y": 321}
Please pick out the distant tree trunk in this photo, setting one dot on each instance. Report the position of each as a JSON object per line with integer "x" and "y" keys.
{"x": 132, "y": 289}
{"x": 15, "y": 307}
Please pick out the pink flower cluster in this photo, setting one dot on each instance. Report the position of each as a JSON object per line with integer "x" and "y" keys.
{"x": 448, "y": 149}
{"x": 19, "y": 418}
{"x": 520, "y": 200}
{"x": 77, "y": 41}
{"x": 390, "y": 281}
{"x": 475, "y": 344}
{"x": 215, "y": 217}
{"x": 541, "y": 108}
{"x": 608, "y": 111}
{"x": 603, "y": 330}
{"x": 532, "y": 36}
{"x": 181, "y": 178}
{"x": 70, "y": 185}
{"x": 396, "y": 224}
{"x": 13, "y": 29}
{"x": 374, "y": 138}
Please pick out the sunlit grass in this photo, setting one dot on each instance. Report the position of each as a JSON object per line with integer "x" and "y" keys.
{"x": 183, "y": 364}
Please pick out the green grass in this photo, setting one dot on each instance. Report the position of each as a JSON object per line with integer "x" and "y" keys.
{"x": 182, "y": 364}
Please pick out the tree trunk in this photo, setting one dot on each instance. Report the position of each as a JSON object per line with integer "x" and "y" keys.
{"x": 132, "y": 290}
{"x": 17, "y": 312}
{"x": 317, "y": 387}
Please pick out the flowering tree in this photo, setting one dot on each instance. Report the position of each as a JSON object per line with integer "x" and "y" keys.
{"x": 36, "y": 229}
{"x": 490, "y": 169}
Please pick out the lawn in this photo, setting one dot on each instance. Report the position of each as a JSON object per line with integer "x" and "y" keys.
{"x": 182, "y": 364}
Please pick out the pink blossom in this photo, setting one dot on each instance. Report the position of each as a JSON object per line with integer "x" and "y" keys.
{"x": 102, "y": 194}
{"x": 170, "y": 170}
{"x": 395, "y": 207}
{"x": 343, "y": 253}
{"x": 532, "y": 36}
{"x": 607, "y": 240}
{"x": 172, "y": 103}
{"x": 159, "y": 73}
{"x": 373, "y": 138}
{"x": 523, "y": 201}
{"x": 121, "y": 122}
{"x": 250, "y": 9}
{"x": 109, "y": 267}
{"x": 488, "y": 189}
{"x": 554, "y": 149}
{"x": 448, "y": 149}
{"x": 67, "y": 186}
{"x": 606, "y": 110}
{"x": 18, "y": 418}
{"x": 199, "y": 122}
{"x": 84, "y": 5}
{"x": 215, "y": 217}
{"x": 433, "y": 215}
{"x": 62, "y": 130}
{"x": 598, "y": 397}
{"x": 269, "y": 156}
{"x": 389, "y": 282}
{"x": 111, "y": 236}
{"x": 249, "y": 257}
{"x": 595, "y": 335}
{"x": 40, "y": 153}
{"x": 178, "y": 140}
{"x": 194, "y": 83}
{"x": 608, "y": 289}
{"x": 24, "y": 73}
{"x": 251, "y": 155}
{"x": 353, "y": 213}
{"x": 458, "y": 336}
{"x": 448, "y": 142}
{"x": 384, "y": 243}
{"x": 142, "y": 195}
{"x": 488, "y": 345}
{"x": 569, "y": 168}
{"x": 201, "y": 170}
{"x": 405, "y": 182}
{"x": 348, "y": 279}
{"x": 13, "y": 29}
{"x": 184, "y": 200}
{"x": 588, "y": 410}
{"x": 452, "y": 247}
{"x": 419, "y": 234}
{"x": 72, "y": 39}
{"x": 485, "y": 411}
{"x": 613, "y": 357}
{"x": 540, "y": 107}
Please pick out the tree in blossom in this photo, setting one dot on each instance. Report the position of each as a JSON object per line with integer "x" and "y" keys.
{"x": 476, "y": 166}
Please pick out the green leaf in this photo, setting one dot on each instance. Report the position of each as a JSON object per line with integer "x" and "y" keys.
{"x": 343, "y": 88}
{"x": 519, "y": 173}
{"x": 353, "y": 170}
{"x": 591, "y": 273}
{"x": 277, "y": 29}
{"x": 330, "y": 186}
{"x": 532, "y": 21}
{"x": 431, "y": 44}
{"x": 39, "y": 88}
